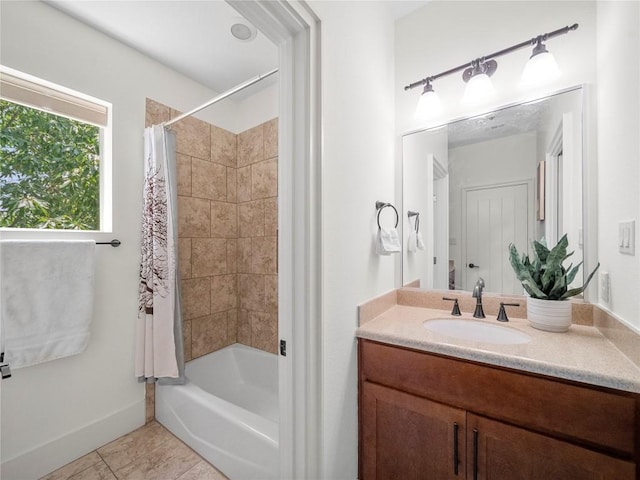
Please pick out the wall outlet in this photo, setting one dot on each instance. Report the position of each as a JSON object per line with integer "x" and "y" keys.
{"x": 604, "y": 286}
{"x": 627, "y": 237}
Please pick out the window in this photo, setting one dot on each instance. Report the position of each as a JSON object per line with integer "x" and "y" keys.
{"x": 53, "y": 167}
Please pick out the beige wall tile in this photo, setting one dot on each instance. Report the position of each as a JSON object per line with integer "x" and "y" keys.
{"x": 263, "y": 255}
{"x": 243, "y": 193}
{"x": 250, "y": 146}
{"x": 196, "y": 297}
{"x": 184, "y": 174}
{"x": 208, "y": 180}
{"x": 244, "y": 255}
{"x": 224, "y": 292}
{"x": 209, "y": 257}
{"x": 251, "y": 219}
{"x": 224, "y": 220}
{"x": 232, "y": 255}
{"x": 209, "y": 334}
{"x": 264, "y": 331}
{"x": 232, "y": 326}
{"x": 251, "y": 292}
{"x": 75, "y": 467}
{"x": 271, "y": 216}
{"x": 193, "y": 137}
{"x": 223, "y": 146}
{"x": 184, "y": 257}
{"x": 194, "y": 217}
{"x": 232, "y": 185}
{"x": 186, "y": 334}
{"x": 264, "y": 179}
{"x": 244, "y": 328}
{"x": 271, "y": 293}
{"x": 155, "y": 113}
{"x": 271, "y": 138}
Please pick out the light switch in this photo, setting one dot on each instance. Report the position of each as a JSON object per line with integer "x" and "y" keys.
{"x": 627, "y": 237}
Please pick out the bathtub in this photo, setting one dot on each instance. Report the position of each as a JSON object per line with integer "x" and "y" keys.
{"x": 227, "y": 411}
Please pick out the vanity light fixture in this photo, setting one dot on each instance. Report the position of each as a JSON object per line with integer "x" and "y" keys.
{"x": 541, "y": 67}
{"x": 479, "y": 84}
{"x": 429, "y": 103}
{"x": 477, "y": 72}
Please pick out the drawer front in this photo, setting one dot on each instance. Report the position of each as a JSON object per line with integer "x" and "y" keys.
{"x": 591, "y": 416}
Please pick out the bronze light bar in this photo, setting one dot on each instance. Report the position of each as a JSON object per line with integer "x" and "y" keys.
{"x": 492, "y": 65}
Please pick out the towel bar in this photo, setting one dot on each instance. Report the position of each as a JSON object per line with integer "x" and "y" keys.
{"x": 5, "y": 371}
{"x": 114, "y": 243}
{"x": 380, "y": 206}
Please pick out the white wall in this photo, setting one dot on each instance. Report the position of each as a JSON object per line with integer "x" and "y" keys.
{"x": 357, "y": 169}
{"x": 55, "y": 412}
{"x": 619, "y": 149}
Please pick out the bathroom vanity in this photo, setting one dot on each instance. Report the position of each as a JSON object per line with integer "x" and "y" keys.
{"x": 562, "y": 406}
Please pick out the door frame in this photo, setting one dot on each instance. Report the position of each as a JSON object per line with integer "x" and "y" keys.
{"x": 295, "y": 29}
{"x": 463, "y": 227}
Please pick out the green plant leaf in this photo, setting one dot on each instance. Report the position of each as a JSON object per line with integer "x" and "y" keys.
{"x": 578, "y": 291}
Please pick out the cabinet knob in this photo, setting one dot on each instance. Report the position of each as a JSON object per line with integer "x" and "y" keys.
{"x": 473, "y": 265}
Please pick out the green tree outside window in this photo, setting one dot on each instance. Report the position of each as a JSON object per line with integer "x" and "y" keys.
{"x": 49, "y": 170}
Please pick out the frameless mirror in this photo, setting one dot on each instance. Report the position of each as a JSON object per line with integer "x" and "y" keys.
{"x": 481, "y": 183}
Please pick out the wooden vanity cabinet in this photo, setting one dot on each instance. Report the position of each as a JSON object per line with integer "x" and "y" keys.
{"x": 425, "y": 416}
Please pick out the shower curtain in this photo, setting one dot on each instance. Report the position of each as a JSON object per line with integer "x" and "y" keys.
{"x": 159, "y": 347}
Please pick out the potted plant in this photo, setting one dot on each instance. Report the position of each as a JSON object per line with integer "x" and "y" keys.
{"x": 547, "y": 283}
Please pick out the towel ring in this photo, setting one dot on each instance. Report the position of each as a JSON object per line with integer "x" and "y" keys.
{"x": 380, "y": 206}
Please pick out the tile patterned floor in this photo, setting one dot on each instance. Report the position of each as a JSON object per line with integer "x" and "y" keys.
{"x": 148, "y": 453}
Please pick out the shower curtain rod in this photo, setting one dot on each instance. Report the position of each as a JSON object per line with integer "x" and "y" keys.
{"x": 222, "y": 96}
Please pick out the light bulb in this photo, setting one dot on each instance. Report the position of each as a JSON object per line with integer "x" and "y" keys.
{"x": 478, "y": 88}
{"x": 429, "y": 103}
{"x": 540, "y": 69}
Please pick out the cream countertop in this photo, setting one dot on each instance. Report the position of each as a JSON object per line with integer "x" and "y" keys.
{"x": 582, "y": 354}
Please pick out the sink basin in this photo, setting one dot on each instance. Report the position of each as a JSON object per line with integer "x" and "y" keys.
{"x": 476, "y": 331}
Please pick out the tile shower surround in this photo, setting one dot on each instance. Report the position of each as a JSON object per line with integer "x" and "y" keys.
{"x": 227, "y": 228}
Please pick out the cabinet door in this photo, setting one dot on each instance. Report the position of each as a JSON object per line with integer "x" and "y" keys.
{"x": 497, "y": 451}
{"x": 408, "y": 437}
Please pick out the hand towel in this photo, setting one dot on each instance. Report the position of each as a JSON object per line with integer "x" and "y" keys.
{"x": 387, "y": 241}
{"x": 47, "y": 299}
{"x": 412, "y": 244}
{"x": 419, "y": 242}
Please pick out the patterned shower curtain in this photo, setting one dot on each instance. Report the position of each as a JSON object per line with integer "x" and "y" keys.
{"x": 159, "y": 347}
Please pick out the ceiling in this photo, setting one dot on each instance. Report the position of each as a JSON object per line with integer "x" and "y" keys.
{"x": 192, "y": 36}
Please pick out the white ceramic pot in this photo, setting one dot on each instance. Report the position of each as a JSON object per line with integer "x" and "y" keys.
{"x": 549, "y": 315}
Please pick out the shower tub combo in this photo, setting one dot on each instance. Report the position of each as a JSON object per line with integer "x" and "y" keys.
{"x": 227, "y": 411}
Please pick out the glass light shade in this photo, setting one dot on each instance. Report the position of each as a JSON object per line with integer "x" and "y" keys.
{"x": 478, "y": 88}
{"x": 428, "y": 105}
{"x": 540, "y": 69}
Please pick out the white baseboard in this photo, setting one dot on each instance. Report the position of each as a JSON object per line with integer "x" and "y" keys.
{"x": 52, "y": 455}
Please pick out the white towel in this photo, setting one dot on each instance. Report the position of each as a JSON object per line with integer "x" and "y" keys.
{"x": 387, "y": 241}
{"x": 412, "y": 243}
{"x": 419, "y": 242}
{"x": 47, "y": 299}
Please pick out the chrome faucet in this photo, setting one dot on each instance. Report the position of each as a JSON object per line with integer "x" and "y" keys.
{"x": 477, "y": 294}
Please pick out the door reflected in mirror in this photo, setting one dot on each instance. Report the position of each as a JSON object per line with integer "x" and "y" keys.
{"x": 481, "y": 183}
